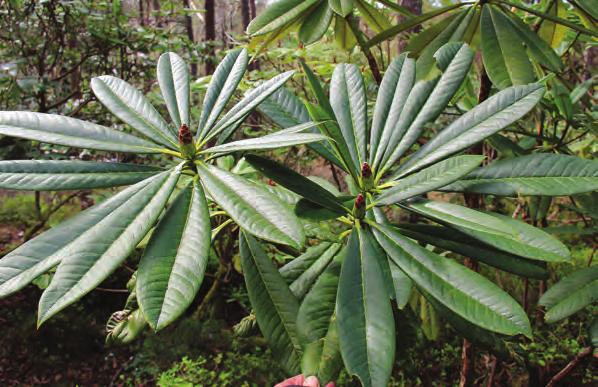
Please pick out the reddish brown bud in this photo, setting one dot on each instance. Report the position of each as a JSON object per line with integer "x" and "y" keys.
{"x": 366, "y": 170}
{"x": 185, "y": 136}
{"x": 359, "y": 207}
{"x": 271, "y": 183}
{"x": 359, "y": 201}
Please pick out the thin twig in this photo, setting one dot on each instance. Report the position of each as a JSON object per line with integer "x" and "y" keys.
{"x": 569, "y": 367}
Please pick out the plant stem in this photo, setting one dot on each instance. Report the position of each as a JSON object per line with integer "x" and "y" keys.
{"x": 569, "y": 367}
{"x": 473, "y": 201}
{"x": 354, "y": 25}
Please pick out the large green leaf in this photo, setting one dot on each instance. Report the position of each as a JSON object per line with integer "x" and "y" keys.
{"x": 174, "y": 261}
{"x": 479, "y": 336}
{"x": 536, "y": 174}
{"x": 224, "y": 82}
{"x": 342, "y": 7}
{"x": 364, "y": 315}
{"x": 38, "y": 255}
{"x": 429, "y": 179}
{"x": 466, "y": 293}
{"x": 330, "y": 128}
{"x": 284, "y": 108}
{"x": 349, "y": 103}
{"x": 402, "y": 284}
{"x": 454, "y": 60}
{"x": 292, "y": 270}
{"x": 322, "y": 358}
{"x": 173, "y": 77}
{"x": 303, "y": 283}
{"x": 316, "y": 322}
{"x": 449, "y": 239}
{"x": 453, "y": 32}
{"x": 99, "y": 250}
{"x": 296, "y": 183}
{"x": 252, "y": 207}
{"x": 275, "y": 306}
{"x": 316, "y": 25}
{"x": 317, "y": 308}
{"x": 409, "y": 24}
{"x": 271, "y": 141}
{"x": 57, "y": 175}
{"x": 503, "y": 52}
{"x": 131, "y": 106}
{"x": 343, "y": 35}
{"x": 252, "y": 98}
{"x": 278, "y": 14}
{"x": 503, "y": 232}
{"x": 55, "y": 129}
{"x": 372, "y": 16}
{"x": 573, "y": 293}
{"x": 497, "y": 112}
{"x": 392, "y": 96}
{"x": 538, "y": 48}
{"x": 418, "y": 42}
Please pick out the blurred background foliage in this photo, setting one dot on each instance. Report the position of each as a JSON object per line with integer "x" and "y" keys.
{"x": 50, "y": 50}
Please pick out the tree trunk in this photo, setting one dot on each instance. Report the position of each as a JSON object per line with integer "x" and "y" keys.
{"x": 245, "y": 13}
{"x": 252, "y": 9}
{"x": 414, "y": 6}
{"x": 190, "y": 36}
{"x": 210, "y": 34}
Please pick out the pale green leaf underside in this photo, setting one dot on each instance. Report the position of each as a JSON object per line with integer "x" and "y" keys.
{"x": 429, "y": 179}
{"x": 66, "y": 131}
{"x": 97, "y": 252}
{"x": 37, "y": 256}
{"x": 57, "y": 175}
{"x": 131, "y": 106}
{"x": 173, "y": 78}
{"x": 538, "y": 174}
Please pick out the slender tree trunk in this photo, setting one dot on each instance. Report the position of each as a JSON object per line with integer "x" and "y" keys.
{"x": 473, "y": 201}
{"x": 190, "y": 35}
{"x": 245, "y": 13}
{"x": 252, "y": 9}
{"x": 210, "y": 34}
{"x": 141, "y": 13}
{"x": 414, "y": 6}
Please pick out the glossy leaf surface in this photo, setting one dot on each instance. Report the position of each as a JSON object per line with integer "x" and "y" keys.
{"x": 502, "y": 232}
{"x": 275, "y": 306}
{"x": 573, "y": 293}
{"x": 252, "y": 207}
{"x": 463, "y": 291}
{"x": 364, "y": 316}
{"x": 172, "y": 267}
